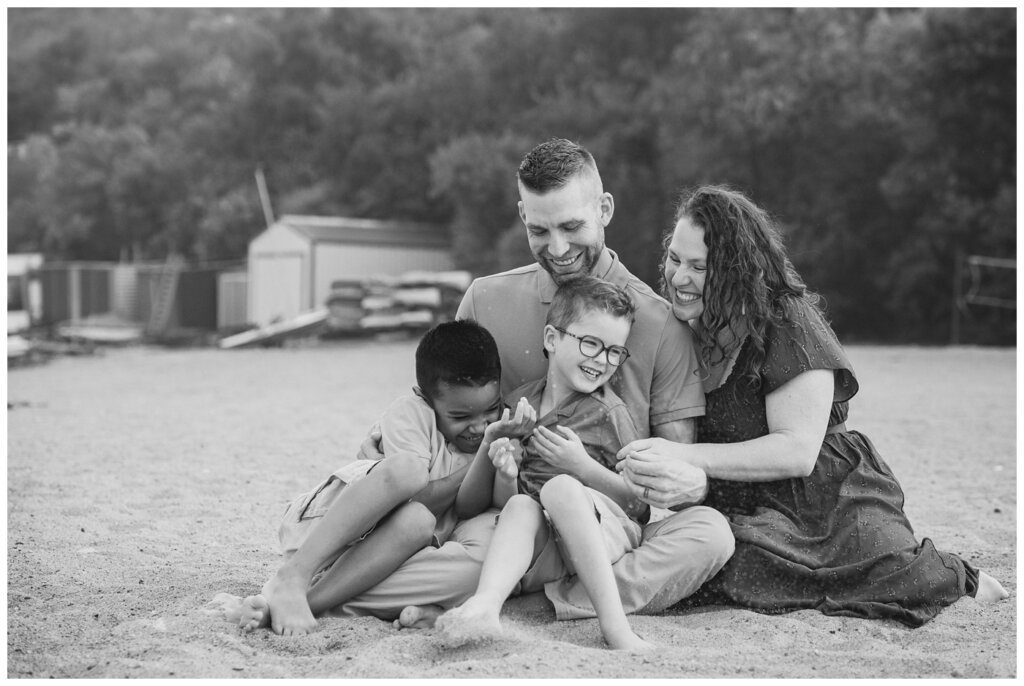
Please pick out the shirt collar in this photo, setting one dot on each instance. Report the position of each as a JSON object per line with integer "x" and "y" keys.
{"x": 605, "y": 269}
{"x": 567, "y": 408}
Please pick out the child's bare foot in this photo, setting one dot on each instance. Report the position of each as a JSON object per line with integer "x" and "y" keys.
{"x": 631, "y": 643}
{"x": 225, "y": 605}
{"x": 285, "y": 596}
{"x": 418, "y": 617}
{"x": 474, "y": 620}
{"x": 989, "y": 590}
{"x": 254, "y": 614}
{"x": 620, "y": 636}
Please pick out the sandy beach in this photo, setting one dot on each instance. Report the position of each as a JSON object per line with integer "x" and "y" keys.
{"x": 142, "y": 481}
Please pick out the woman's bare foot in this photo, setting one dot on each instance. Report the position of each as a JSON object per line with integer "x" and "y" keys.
{"x": 989, "y": 590}
{"x": 254, "y": 613}
{"x": 474, "y": 620}
{"x": 418, "y": 617}
{"x": 225, "y": 605}
{"x": 285, "y": 596}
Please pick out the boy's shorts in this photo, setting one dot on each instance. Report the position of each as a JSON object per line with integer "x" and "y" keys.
{"x": 304, "y": 512}
{"x": 620, "y": 533}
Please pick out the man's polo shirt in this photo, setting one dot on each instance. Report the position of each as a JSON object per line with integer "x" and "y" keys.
{"x": 659, "y": 383}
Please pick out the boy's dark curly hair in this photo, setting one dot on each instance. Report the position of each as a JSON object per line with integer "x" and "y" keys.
{"x": 459, "y": 353}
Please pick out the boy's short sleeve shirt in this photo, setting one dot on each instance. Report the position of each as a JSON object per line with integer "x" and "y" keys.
{"x": 409, "y": 427}
{"x": 600, "y": 419}
{"x": 659, "y": 383}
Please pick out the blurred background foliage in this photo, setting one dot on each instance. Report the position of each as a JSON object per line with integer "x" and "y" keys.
{"x": 884, "y": 141}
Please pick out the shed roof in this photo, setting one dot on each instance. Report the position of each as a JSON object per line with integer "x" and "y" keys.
{"x": 367, "y": 231}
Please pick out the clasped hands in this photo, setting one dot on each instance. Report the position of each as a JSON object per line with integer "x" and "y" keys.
{"x": 661, "y": 472}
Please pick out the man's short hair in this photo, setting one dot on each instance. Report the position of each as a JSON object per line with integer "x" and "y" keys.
{"x": 588, "y": 294}
{"x": 552, "y": 164}
{"x": 459, "y": 353}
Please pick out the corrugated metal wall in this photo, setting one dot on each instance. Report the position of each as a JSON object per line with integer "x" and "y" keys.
{"x": 72, "y": 292}
{"x": 232, "y": 296}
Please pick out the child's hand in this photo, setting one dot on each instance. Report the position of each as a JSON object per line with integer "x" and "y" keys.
{"x": 563, "y": 450}
{"x": 521, "y": 424}
{"x": 506, "y": 455}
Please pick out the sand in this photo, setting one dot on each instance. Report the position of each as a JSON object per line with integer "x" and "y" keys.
{"x": 142, "y": 481}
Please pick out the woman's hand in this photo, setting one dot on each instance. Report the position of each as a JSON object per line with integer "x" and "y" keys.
{"x": 563, "y": 450}
{"x": 661, "y": 473}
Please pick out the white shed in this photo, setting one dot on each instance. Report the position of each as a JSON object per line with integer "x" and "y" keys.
{"x": 293, "y": 263}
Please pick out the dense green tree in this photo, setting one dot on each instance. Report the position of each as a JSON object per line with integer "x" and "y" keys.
{"x": 883, "y": 140}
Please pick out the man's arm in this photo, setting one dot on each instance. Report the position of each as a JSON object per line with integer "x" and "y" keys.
{"x": 679, "y": 431}
{"x": 466, "y": 309}
{"x": 692, "y": 483}
{"x": 676, "y": 393}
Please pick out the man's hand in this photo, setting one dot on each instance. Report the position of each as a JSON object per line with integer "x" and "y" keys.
{"x": 371, "y": 448}
{"x": 516, "y": 426}
{"x": 659, "y": 473}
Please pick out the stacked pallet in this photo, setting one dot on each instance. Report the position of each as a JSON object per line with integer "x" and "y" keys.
{"x": 412, "y": 301}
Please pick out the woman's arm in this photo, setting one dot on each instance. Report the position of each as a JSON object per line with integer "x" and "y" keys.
{"x": 797, "y": 415}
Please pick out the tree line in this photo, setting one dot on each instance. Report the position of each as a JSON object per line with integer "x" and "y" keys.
{"x": 883, "y": 140}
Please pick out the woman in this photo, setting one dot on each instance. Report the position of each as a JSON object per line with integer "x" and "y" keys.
{"x": 818, "y": 516}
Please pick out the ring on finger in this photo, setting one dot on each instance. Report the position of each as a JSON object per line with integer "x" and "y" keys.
{"x": 647, "y": 492}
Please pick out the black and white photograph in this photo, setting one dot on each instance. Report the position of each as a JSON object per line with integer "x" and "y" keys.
{"x": 557, "y": 342}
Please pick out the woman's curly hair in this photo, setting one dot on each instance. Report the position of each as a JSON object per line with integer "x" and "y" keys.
{"x": 748, "y": 276}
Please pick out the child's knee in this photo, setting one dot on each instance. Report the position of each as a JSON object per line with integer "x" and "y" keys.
{"x": 405, "y": 475}
{"x": 559, "y": 491}
{"x": 414, "y": 522}
{"x": 520, "y": 504}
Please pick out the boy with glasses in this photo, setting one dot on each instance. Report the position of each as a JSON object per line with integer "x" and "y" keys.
{"x": 556, "y": 525}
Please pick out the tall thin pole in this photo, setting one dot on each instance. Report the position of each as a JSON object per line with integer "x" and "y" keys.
{"x": 261, "y": 184}
{"x": 954, "y": 333}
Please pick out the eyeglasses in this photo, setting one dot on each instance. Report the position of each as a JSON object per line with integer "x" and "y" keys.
{"x": 592, "y": 346}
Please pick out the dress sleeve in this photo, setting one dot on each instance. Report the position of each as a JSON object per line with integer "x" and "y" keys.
{"x": 805, "y": 342}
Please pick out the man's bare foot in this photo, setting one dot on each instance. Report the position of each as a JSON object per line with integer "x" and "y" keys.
{"x": 474, "y": 620}
{"x": 418, "y": 617}
{"x": 285, "y": 596}
{"x": 989, "y": 590}
{"x": 225, "y": 605}
{"x": 254, "y": 614}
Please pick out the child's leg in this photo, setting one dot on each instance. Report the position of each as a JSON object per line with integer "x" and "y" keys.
{"x": 362, "y": 566}
{"x": 394, "y": 540}
{"x": 572, "y": 513}
{"x": 520, "y": 533}
{"x": 361, "y": 505}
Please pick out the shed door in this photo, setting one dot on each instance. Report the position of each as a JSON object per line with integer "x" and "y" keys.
{"x": 277, "y": 287}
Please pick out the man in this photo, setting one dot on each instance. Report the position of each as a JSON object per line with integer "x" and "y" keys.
{"x": 565, "y": 210}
